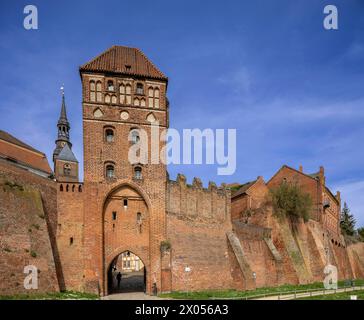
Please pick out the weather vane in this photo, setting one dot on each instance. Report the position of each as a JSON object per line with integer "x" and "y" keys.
{"x": 62, "y": 89}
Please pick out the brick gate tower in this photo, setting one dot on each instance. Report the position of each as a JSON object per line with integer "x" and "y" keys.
{"x": 124, "y": 96}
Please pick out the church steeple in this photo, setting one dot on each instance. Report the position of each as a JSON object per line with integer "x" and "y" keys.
{"x": 65, "y": 162}
{"x": 63, "y": 126}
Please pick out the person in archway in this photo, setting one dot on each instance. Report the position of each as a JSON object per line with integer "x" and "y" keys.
{"x": 118, "y": 278}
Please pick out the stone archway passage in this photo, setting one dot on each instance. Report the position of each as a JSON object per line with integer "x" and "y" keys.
{"x": 126, "y": 273}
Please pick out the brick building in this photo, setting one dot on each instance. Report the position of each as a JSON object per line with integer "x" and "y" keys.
{"x": 186, "y": 236}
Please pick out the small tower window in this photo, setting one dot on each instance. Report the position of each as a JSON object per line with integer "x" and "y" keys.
{"x": 110, "y": 171}
{"x": 67, "y": 169}
{"x": 135, "y": 137}
{"x": 109, "y": 135}
{"x": 71, "y": 241}
{"x": 114, "y": 215}
{"x": 125, "y": 203}
{"x": 139, "y": 88}
{"x": 110, "y": 86}
{"x": 138, "y": 173}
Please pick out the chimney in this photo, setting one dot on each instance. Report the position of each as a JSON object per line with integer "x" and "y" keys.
{"x": 301, "y": 168}
{"x": 322, "y": 175}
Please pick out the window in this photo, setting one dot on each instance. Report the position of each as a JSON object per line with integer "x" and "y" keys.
{"x": 110, "y": 171}
{"x": 153, "y": 97}
{"x": 110, "y": 86}
{"x": 135, "y": 137}
{"x": 138, "y": 173}
{"x": 67, "y": 169}
{"x": 109, "y": 135}
{"x": 136, "y": 102}
{"x": 107, "y": 98}
{"x": 114, "y": 215}
{"x": 125, "y": 93}
{"x": 113, "y": 99}
{"x": 125, "y": 202}
{"x": 92, "y": 91}
{"x": 71, "y": 241}
{"x": 139, "y": 88}
{"x": 98, "y": 91}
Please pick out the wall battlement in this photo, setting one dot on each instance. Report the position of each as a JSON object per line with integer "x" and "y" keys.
{"x": 196, "y": 203}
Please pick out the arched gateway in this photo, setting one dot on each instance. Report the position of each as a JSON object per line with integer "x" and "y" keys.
{"x": 126, "y": 241}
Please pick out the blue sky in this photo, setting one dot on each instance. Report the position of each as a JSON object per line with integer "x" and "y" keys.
{"x": 293, "y": 90}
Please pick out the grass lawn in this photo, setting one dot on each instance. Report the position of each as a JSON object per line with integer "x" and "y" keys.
{"x": 68, "y": 295}
{"x": 234, "y": 294}
{"x": 338, "y": 296}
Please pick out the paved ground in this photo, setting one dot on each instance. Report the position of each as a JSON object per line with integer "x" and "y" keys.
{"x": 308, "y": 294}
{"x": 130, "y": 282}
{"x": 131, "y": 296}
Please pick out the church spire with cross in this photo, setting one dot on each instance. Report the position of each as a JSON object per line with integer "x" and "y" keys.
{"x": 63, "y": 127}
{"x": 65, "y": 162}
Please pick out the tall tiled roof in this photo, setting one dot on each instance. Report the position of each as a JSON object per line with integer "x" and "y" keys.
{"x": 19, "y": 152}
{"x": 9, "y": 138}
{"x": 124, "y": 60}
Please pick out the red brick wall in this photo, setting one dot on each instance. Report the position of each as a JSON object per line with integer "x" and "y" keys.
{"x": 197, "y": 222}
{"x": 28, "y": 217}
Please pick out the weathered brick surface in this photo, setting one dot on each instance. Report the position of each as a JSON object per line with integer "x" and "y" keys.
{"x": 197, "y": 223}
{"x": 27, "y": 203}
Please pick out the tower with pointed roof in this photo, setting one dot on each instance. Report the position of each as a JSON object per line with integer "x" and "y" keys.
{"x": 124, "y": 97}
{"x": 65, "y": 162}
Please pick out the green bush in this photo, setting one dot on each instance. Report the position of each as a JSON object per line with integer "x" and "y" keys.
{"x": 288, "y": 200}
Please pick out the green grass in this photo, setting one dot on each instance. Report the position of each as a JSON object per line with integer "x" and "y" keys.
{"x": 235, "y": 294}
{"x": 68, "y": 295}
{"x": 337, "y": 296}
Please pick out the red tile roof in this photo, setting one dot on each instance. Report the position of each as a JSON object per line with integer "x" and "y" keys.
{"x": 126, "y": 61}
{"x": 17, "y": 151}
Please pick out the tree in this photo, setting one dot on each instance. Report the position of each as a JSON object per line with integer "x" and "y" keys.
{"x": 361, "y": 233}
{"x": 290, "y": 201}
{"x": 347, "y": 221}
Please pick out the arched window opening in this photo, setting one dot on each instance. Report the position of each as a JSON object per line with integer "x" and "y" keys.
{"x": 110, "y": 171}
{"x": 142, "y": 102}
{"x": 114, "y": 215}
{"x": 138, "y": 173}
{"x": 61, "y": 188}
{"x": 110, "y": 86}
{"x": 73, "y": 188}
{"x": 67, "y": 169}
{"x": 109, "y": 135}
{"x": 67, "y": 188}
{"x": 107, "y": 98}
{"x": 139, "y": 88}
{"x": 113, "y": 99}
{"x": 135, "y": 137}
{"x": 71, "y": 241}
{"x": 79, "y": 188}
